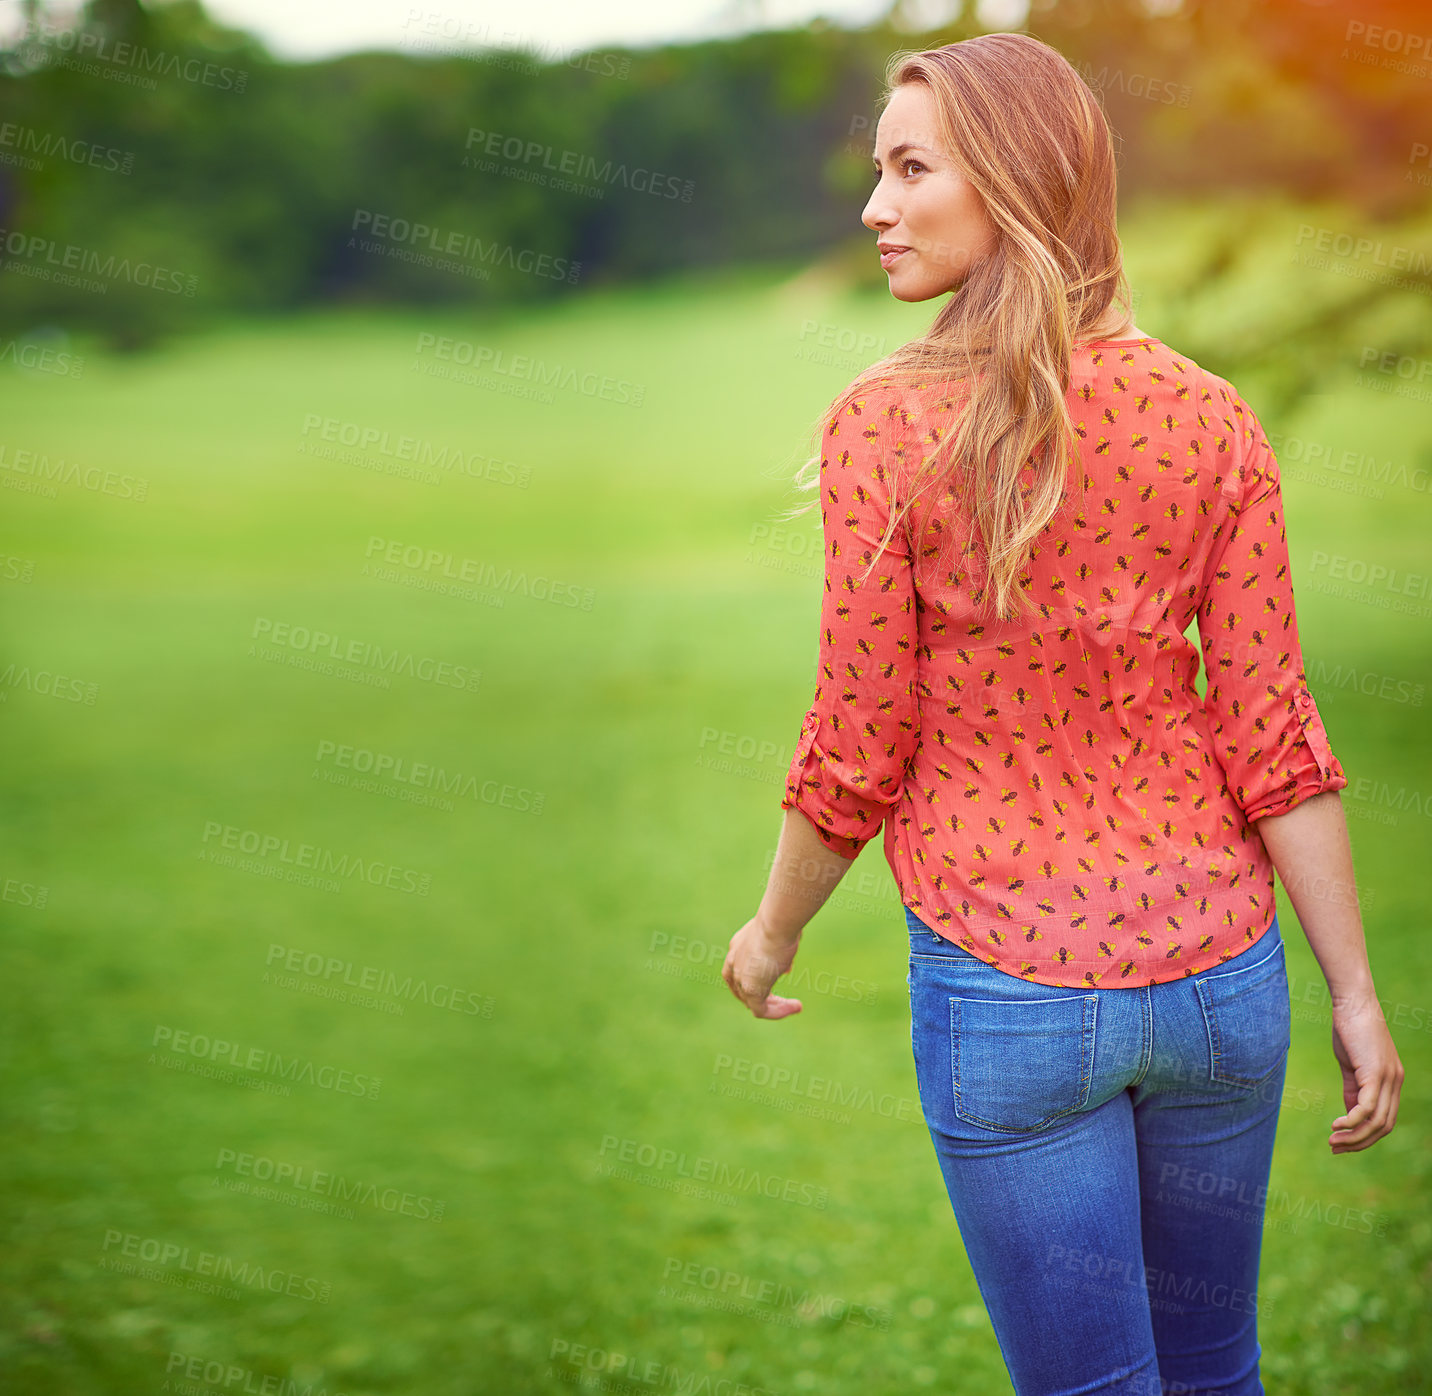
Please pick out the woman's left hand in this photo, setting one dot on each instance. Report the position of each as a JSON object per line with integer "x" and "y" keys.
{"x": 754, "y": 962}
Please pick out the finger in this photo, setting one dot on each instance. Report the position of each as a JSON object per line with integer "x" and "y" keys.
{"x": 1351, "y": 1140}
{"x": 1366, "y": 1100}
{"x": 1363, "y": 1126}
{"x": 1386, "y": 1111}
{"x": 1383, "y": 1117}
{"x": 1350, "y": 1134}
{"x": 776, "y": 1007}
{"x": 1365, "y": 1138}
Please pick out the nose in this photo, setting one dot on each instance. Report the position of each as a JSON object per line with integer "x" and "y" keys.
{"x": 877, "y": 214}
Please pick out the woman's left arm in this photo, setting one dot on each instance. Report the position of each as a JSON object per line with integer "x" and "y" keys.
{"x": 858, "y": 740}
{"x": 804, "y": 874}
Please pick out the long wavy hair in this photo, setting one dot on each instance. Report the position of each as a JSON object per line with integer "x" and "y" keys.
{"x": 1030, "y": 136}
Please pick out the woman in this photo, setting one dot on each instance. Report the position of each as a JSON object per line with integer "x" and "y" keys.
{"x": 1024, "y": 511}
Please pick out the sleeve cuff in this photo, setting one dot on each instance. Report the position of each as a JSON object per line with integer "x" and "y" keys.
{"x": 845, "y": 819}
{"x": 1306, "y": 764}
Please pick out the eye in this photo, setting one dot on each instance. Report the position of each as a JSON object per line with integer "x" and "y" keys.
{"x": 906, "y": 165}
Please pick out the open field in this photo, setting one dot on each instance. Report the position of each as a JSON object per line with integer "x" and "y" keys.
{"x": 555, "y": 1130}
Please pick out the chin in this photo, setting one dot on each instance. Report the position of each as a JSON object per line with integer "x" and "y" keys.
{"x": 912, "y": 292}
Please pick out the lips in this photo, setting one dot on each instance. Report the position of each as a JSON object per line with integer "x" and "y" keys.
{"x": 890, "y": 253}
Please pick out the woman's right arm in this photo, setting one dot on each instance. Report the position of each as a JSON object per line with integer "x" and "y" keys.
{"x": 1312, "y": 856}
{"x": 1282, "y": 772}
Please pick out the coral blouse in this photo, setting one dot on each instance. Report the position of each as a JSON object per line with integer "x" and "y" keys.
{"x": 1056, "y": 798}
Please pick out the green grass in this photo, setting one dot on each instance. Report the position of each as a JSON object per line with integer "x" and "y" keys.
{"x": 548, "y": 918}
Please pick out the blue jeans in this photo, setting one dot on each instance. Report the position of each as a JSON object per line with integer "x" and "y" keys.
{"x": 1107, "y": 1154}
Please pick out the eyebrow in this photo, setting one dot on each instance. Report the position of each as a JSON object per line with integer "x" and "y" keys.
{"x": 899, "y": 150}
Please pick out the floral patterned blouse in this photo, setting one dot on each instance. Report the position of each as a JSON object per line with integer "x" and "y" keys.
{"x": 1056, "y": 798}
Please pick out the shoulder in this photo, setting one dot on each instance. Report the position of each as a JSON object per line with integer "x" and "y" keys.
{"x": 1215, "y": 398}
{"x": 1251, "y": 469}
{"x": 1211, "y": 393}
{"x": 890, "y": 411}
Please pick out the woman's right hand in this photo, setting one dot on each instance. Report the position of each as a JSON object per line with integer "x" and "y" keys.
{"x": 1372, "y": 1075}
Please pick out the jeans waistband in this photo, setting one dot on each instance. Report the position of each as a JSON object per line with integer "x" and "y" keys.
{"x": 1266, "y": 944}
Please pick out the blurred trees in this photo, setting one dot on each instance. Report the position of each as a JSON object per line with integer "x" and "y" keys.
{"x": 155, "y": 166}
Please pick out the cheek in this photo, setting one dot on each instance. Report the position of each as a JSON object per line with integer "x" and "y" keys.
{"x": 962, "y": 214}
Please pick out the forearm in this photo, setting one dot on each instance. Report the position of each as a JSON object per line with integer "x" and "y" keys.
{"x": 1312, "y": 855}
{"x": 804, "y": 874}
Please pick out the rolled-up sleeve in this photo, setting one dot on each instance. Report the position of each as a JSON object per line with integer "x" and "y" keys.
{"x": 858, "y": 740}
{"x": 1270, "y": 737}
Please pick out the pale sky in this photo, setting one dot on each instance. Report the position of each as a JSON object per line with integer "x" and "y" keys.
{"x": 310, "y": 29}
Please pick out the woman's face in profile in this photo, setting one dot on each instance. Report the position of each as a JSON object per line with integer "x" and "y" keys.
{"x": 923, "y": 209}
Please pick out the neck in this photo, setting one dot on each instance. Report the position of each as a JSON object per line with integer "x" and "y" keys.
{"x": 1108, "y": 328}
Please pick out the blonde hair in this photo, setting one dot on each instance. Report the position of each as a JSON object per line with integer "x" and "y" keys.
{"x": 1029, "y": 135}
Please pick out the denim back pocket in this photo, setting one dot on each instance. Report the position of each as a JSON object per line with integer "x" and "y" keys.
{"x": 1248, "y": 1017}
{"x": 1019, "y": 1064}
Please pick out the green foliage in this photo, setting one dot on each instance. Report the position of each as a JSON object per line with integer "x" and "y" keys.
{"x": 259, "y": 183}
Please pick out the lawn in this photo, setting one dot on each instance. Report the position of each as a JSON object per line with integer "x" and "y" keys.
{"x": 384, "y": 786}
